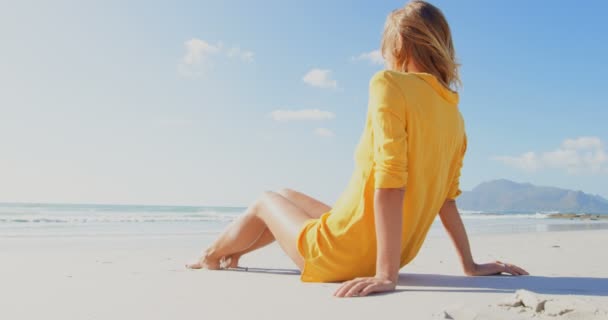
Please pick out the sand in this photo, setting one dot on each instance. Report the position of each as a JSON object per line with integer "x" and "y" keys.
{"x": 144, "y": 278}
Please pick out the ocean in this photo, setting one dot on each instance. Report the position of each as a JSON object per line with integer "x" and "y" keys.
{"x": 78, "y": 220}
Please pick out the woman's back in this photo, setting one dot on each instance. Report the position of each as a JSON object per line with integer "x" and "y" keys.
{"x": 414, "y": 138}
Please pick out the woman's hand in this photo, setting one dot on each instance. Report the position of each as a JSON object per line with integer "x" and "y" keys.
{"x": 360, "y": 287}
{"x": 495, "y": 268}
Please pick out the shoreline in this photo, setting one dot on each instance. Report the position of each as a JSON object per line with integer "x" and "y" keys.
{"x": 502, "y": 226}
{"x": 509, "y": 225}
{"x": 578, "y": 216}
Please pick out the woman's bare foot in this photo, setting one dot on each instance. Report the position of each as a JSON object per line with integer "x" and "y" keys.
{"x": 231, "y": 261}
{"x": 206, "y": 261}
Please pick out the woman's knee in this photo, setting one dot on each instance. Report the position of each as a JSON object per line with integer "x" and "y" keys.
{"x": 287, "y": 192}
{"x": 262, "y": 200}
{"x": 268, "y": 195}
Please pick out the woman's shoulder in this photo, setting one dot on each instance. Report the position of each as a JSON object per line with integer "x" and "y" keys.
{"x": 411, "y": 85}
{"x": 396, "y": 79}
{"x": 391, "y": 82}
{"x": 388, "y": 75}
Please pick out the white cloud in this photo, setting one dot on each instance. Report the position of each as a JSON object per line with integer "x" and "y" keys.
{"x": 324, "y": 132}
{"x": 583, "y": 143}
{"x": 583, "y": 154}
{"x": 304, "y": 114}
{"x": 198, "y": 53}
{"x": 320, "y": 78}
{"x": 527, "y": 161}
{"x": 237, "y": 52}
{"x": 374, "y": 57}
{"x": 197, "y": 49}
{"x": 197, "y": 56}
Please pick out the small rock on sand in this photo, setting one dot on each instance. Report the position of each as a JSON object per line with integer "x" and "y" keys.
{"x": 530, "y": 300}
{"x": 444, "y": 315}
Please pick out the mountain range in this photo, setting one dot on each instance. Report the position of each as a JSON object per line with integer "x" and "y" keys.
{"x": 509, "y": 196}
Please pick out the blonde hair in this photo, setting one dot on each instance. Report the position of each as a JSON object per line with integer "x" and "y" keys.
{"x": 421, "y": 30}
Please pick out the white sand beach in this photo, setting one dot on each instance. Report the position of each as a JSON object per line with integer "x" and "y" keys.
{"x": 144, "y": 278}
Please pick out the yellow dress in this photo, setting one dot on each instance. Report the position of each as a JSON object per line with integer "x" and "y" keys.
{"x": 414, "y": 137}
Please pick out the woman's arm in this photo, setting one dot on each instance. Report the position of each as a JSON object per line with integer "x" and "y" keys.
{"x": 388, "y": 217}
{"x": 388, "y": 206}
{"x": 450, "y": 217}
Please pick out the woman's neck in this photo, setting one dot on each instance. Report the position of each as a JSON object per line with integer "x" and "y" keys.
{"x": 413, "y": 67}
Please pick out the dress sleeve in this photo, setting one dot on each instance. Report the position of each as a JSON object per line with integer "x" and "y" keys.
{"x": 387, "y": 111}
{"x": 455, "y": 184}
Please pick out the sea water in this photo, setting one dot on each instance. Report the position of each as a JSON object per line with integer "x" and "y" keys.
{"x": 77, "y": 220}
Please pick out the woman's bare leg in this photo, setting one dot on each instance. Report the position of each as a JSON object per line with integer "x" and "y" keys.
{"x": 273, "y": 211}
{"x": 313, "y": 207}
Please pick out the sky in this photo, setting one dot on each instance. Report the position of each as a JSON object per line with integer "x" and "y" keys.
{"x": 214, "y": 102}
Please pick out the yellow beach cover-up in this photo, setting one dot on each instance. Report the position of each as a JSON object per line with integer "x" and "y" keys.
{"x": 414, "y": 137}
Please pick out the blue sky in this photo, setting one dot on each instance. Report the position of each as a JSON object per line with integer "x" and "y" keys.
{"x": 209, "y": 103}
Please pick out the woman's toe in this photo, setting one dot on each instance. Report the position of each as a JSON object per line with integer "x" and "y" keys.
{"x": 196, "y": 265}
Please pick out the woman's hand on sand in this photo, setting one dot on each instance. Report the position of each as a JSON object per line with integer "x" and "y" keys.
{"x": 495, "y": 268}
{"x": 360, "y": 287}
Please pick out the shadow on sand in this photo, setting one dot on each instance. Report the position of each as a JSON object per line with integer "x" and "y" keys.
{"x": 539, "y": 284}
{"x": 266, "y": 270}
{"x": 448, "y": 283}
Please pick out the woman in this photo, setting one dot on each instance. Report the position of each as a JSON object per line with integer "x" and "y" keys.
{"x": 407, "y": 168}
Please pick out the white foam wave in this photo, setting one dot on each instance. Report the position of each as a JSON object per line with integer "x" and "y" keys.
{"x": 83, "y": 219}
{"x": 469, "y": 211}
{"x": 492, "y": 216}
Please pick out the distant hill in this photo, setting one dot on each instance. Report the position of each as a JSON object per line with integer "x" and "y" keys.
{"x": 508, "y": 196}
